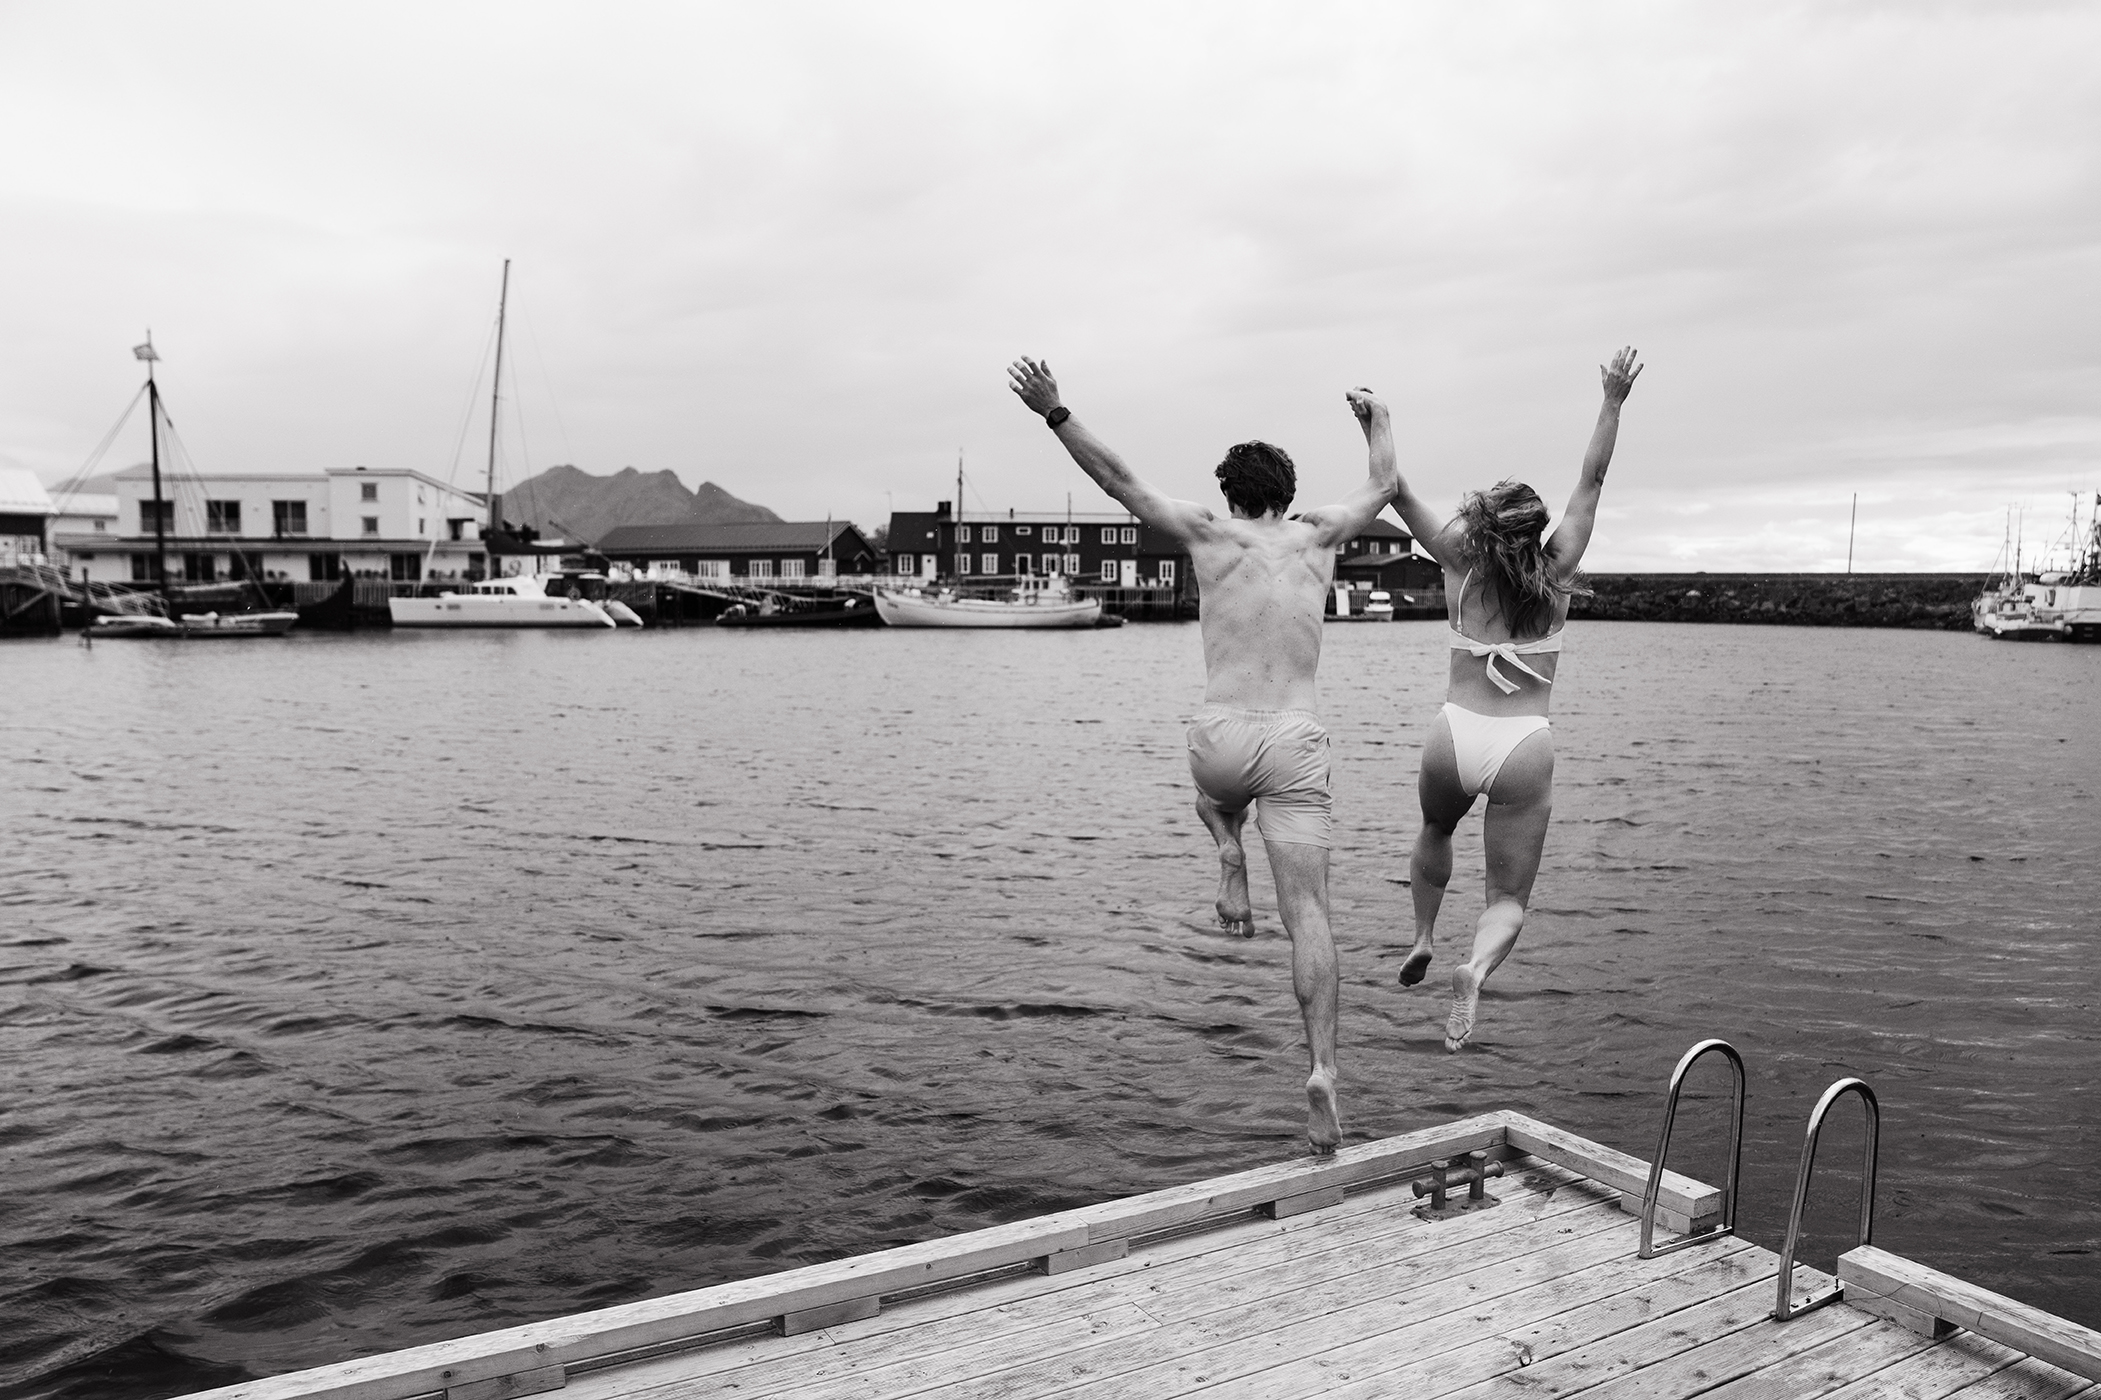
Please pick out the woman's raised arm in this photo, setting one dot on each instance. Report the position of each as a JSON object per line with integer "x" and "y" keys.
{"x": 1572, "y": 536}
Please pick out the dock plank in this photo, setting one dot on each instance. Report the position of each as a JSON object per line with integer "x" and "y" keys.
{"x": 1933, "y": 1374}
{"x": 1709, "y": 1362}
{"x": 1442, "y": 1337}
{"x": 1826, "y": 1368}
{"x": 2060, "y": 1342}
{"x": 2030, "y": 1379}
{"x": 1006, "y": 1372}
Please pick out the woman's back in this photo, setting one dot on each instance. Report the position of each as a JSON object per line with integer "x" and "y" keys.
{"x": 1482, "y": 638}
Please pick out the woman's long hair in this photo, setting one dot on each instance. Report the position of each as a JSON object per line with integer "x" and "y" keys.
{"x": 1504, "y": 529}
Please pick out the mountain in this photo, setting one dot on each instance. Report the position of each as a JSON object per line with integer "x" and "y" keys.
{"x": 575, "y": 505}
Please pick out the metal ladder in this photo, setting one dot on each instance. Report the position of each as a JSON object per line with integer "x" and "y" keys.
{"x": 1786, "y": 1305}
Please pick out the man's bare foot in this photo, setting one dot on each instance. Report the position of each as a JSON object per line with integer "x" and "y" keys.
{"x": 1417, "y": 964}
{"x": 1323, "y": 1121}
{"x": 1236, "y": 913}
{"x": 1466, "y": 997}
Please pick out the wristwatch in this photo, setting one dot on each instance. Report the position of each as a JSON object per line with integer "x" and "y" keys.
{"x": 1056, "y": 416}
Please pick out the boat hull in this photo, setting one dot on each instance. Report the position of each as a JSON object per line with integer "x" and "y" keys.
{"x": 859, "y": 616}
{"x": 905, "y": 610}
{"x": 476, "y": 610}
{"x": 193, "y": 626}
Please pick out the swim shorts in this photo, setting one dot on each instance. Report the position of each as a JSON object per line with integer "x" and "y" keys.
{"x": 1277, "y": 759}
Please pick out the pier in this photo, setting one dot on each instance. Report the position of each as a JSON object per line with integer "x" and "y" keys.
{"x": 1354, "y": 1275}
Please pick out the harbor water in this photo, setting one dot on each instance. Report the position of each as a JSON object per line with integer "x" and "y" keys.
{"x": 360, "y": 991}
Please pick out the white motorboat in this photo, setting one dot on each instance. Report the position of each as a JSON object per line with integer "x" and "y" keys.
{"x": 1026, "y": 607}
{"x": 516, "y": 601}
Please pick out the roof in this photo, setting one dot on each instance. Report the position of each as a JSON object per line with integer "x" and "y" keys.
{"x": 1381, "y": 529}
{"x": 88, "y": 504}
{"x": 750, "y": 538}
{"x": 22, "y": 494}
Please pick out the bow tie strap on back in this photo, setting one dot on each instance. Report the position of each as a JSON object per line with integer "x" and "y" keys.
{"x": 1510, "y": 652}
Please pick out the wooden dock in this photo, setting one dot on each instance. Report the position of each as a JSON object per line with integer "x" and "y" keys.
{"x": 1312, "y": 1278}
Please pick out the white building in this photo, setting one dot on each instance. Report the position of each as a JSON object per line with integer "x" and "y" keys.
{"x": 381, "y": 522}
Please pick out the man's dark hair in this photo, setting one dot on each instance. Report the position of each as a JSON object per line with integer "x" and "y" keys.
{"x": 1257, "y": 478}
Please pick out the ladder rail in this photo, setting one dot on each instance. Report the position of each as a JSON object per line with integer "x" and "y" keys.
{"x": 1650, "y": 1192}
{"x": 1786, "y": 1306}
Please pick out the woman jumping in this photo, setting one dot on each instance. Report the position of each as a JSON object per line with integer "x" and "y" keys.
{"x": 1508, "y": 596}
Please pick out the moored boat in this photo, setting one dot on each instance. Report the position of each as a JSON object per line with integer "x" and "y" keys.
{"x": 1027, "y": 606}
{"x": 852, "y": 611}
{"x": 515, "y": 601}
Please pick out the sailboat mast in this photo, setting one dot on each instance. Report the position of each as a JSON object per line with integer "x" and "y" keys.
{"x": 503, "y": 301}
{"x": 160, "y": 510}
{"x": 960, "y": 552}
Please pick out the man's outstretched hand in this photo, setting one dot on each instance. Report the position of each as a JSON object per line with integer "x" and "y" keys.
{"x": 1032, "y": 380}
{"x": 1367, "y": 406}
{"x": 1619, "y": 377}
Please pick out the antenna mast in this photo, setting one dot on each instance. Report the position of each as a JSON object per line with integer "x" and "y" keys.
{"x": 160, "y": 510}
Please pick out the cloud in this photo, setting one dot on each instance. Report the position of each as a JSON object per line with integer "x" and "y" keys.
{"x": 789, "y": 249}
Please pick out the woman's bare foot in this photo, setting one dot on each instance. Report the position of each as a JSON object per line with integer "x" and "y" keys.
{"x": 1236, "y": 913}
{"x": 1323, "y": 1121}
{"x": 1417, "y": 964}
{"x": 1466, "y": 998}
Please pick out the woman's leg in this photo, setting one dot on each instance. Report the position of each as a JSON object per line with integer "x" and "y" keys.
{"x": 1444, "y": 802}
{"x": 1514, "y": 833}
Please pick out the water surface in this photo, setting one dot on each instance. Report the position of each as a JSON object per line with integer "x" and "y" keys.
{"x": 364, "y": 991}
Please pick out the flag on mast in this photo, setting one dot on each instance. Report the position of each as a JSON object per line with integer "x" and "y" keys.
{"x": 146, "y": 351}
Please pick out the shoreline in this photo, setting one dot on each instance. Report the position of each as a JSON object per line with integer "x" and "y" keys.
{"x": 1934, "y": 602}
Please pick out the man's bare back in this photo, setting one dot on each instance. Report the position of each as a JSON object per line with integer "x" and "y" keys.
{"x": 1263, "y": 578}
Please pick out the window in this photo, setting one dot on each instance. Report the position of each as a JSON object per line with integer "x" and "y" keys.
{"x": 962, "y": 534}
{"x": 1130, "y": 534}
{"x": 404, "y": 568}
{"x": 760, "y": 568}
{"x": 1167, "y": 572}
{"x": 664, "y": 568}
{"x": 200, "y": 568}
{"x": 145, "y": 569}
{"x": 711, "y": 568}
{"x": 1022, "y": 529}
{"x": 989, "y": 533}
{"x": 287, "y": 518}
{"x": 419, "y": 525}
{"x": 827, "y": 567}
{"x": 167, "y": 516}
{"x": 791, "y": 568}
{"x": 371, "y": 527}
{"x": 988, "y": 563}
{"x": 1108, "y": 571}
{"x": 368, "y": 490}
{"x": 905, "y": 563}
{"x": 324, "y": 568}
{"x": 1108, "y": 534}
{"x": 962, "y": 564}
{"x": 1072, "y": 564}
{"x": 457, "y": 527}
{"x": 98, "y": 527}
{"x": 1021, "y": 563}
{"x": 222, "y": 517}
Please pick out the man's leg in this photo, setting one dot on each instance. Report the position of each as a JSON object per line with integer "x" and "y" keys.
{"x": 1302, "y": 899}
{"x": 1514, "y": 833}
{"x": 1235, "y": 913}
{"x": 1443, "y": 802}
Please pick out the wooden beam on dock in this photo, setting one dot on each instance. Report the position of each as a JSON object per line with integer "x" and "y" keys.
{"x": 1928, "y": 1301}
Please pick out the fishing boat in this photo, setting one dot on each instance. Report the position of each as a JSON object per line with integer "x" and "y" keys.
{"x": 173, "y": 622}
{"x": 511, "y": 600}
{"x": 854, "y": 610}
{"x": 1046, "y": 604}
{"x": 1388, "y": 1268}
{"x": 2055, "y": 604}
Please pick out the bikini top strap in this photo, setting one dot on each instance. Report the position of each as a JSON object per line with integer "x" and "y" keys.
{"x": 1460, "y": 625}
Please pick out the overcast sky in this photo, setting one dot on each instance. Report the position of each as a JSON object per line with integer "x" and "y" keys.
{"x": 790, "y": 248}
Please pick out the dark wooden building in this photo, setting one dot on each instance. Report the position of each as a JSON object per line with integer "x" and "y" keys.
{"x": 784, "y": 551}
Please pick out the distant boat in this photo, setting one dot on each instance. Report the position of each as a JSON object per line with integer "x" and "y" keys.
{"x": 851, "y": 611}
{"x": 1028, "y": 606}
{"x": 516, "y": 601}
{"x": 2058, "y": 603}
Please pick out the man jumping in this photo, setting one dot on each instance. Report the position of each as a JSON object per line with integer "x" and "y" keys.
{"x": 1264, "y": 578}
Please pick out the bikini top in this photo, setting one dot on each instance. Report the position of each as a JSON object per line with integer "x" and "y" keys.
{"x": 1503, "y": 651}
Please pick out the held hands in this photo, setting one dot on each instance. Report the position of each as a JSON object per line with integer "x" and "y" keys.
{"x": 1031, "y": 379}
{"x": 1368, "y": 408}
{"x": 1619, "y": 377}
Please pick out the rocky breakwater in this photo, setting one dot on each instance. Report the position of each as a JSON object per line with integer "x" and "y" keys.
{"x": 1801, "y": 600}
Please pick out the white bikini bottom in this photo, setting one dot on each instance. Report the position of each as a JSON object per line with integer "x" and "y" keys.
{"x": 1482, "y": 742}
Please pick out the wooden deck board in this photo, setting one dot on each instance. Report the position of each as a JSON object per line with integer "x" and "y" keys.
{"x": 1823, "y": 1369}
{"x": 1932, "y": 1374}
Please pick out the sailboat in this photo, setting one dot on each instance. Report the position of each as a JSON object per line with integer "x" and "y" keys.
{"x": 170, "y": 622}
{"x": 515, "y": 601}
{"x": 1032, "y": 602}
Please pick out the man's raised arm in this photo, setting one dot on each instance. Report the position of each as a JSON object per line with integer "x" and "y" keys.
{"x": 1180, "y": 520}
{"x": 1348, "y": 517}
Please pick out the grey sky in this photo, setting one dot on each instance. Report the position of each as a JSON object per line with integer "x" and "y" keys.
{"x": 790, "y": 248}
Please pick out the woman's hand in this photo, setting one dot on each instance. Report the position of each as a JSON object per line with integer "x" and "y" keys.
{"x": 1619, "y": 377}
